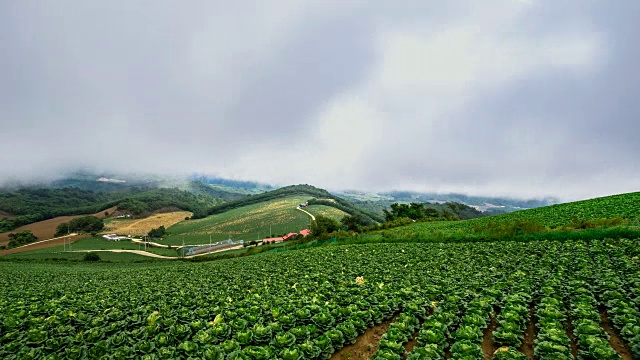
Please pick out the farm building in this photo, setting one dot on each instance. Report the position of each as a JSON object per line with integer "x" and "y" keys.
{"x": 114, "y": 237}
{"x": 290, "y": 236}
{"x": 305, "y": 232}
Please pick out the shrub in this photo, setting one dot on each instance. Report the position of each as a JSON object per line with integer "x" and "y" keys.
{"x": 91, "y": 256}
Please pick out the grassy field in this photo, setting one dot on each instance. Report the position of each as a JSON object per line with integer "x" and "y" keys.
{"x": 87, "y": 244}
{"x": 140, "y": 227}
{"x": 106, "y": 256}
{"x": 249, "y": 222}
{"x": 625, "y": 206}
{"x": 327, "y": 211}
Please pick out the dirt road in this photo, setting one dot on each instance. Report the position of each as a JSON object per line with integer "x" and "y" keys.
{"x": 313, "y": 218}
{"x": 67, "y": 239}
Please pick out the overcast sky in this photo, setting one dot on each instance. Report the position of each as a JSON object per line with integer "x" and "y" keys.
{"x": 521, "y": 98}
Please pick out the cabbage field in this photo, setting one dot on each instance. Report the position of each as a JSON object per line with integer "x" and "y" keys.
{"x": 500, "y": 300}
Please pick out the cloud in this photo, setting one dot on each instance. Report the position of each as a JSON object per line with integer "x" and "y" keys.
{"x": 517, "y": 98}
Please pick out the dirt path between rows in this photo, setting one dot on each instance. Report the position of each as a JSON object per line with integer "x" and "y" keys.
{"x": 614, "y": 339}
{"x": 488, "y": 346}
{"x": 529, "y": 336}
{"x": 366, "y": 344}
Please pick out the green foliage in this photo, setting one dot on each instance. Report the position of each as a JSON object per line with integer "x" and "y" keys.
{"x": 310, "y": 303}
{"x": 300, "y": 190}
{"x": 244, "y": 223}
{"x": 86, "y": 224}
{"x": 351, "y": 222}
{"x": 91, "y": 256}
{"x": 365, "y": 217}
{"x": 157, "y": 232}
{"x": 323, "y": 225}
{"x": 605, "y": 211}
{"x": 33, "y": 205}
{"x": 21, "y": 238}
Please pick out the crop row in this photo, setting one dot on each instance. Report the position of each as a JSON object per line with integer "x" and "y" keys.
{"x": 308, "y": 304}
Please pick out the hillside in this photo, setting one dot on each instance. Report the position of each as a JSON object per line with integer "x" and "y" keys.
{"x": 310, "y": 192}
{"x": 625, "y": 206}
{"x": 31, "y": 205}
{"x": 45, "y": 229}
{"x": 376, "y": 202}
{"x": 328, "y": 211}
{"x": 248, "y": 222}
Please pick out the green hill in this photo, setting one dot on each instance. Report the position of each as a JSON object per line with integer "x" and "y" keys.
{"x": 624, "y": 206}
{"x": 248, "y": 222}
{"x": 31, "y": 205}
{"x": 328, "y": 211}
{"x": 323, "y": 196}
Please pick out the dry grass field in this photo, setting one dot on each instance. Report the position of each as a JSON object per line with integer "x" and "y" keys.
{"x": 45, "y": 229}
{"x": 141, "y": 227}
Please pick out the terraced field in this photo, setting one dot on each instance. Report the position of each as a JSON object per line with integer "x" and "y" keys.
{"x": 249, "y": 222}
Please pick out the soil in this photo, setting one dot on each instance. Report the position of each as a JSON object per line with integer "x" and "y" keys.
{"x": 530, "y": 334}
{"x": 569, "y": 330}
{"x": 44, "y": 230}
{"x": 413, "y": 342}
{"x": 45, "y": 244}
{"x": 366, "y": 344}
{"x": 615, "y": 340}
{"x": 488, "y": 347}
{"x": 4, "y": 215}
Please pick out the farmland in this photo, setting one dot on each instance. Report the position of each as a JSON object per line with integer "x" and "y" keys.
{"x": 45, "y": 229}
{"x": 469, "y": 301}
{"x": 327, "y": 211}
{"x": 141, "y": 227}
{"x": 249, "y": 222}
{"x": 624, "y": 206}
{"x": 88, "y": 243}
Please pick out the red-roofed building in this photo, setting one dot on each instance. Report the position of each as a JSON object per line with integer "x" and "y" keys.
{"x": 290, "y": 236}
{"x": 273, "y": 240}
{"x": 305, "y": 232}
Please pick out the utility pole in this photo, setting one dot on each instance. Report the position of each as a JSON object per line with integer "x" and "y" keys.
{"x": 270, "y": 233}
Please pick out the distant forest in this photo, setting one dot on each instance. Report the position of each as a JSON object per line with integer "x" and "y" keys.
{"x": 29, "y": 205}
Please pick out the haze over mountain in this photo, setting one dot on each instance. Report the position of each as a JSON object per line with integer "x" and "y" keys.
{"x": 520, "y": 98}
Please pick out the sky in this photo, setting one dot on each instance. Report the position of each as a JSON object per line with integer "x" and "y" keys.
{"x": 519, "y": 98}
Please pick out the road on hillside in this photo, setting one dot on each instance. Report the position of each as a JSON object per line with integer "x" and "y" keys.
{"x": 146, "y": 253}
{"x": 313, "y": 218}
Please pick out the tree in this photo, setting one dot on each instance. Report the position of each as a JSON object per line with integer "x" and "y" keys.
{"x": 413, "y": 211}
{"x": 323, "y": 225}
{"x": 158, "y": 232}
{"x": 91, "y": 256}
{"x": 87, "y": 224}
{"x": 21, "y": 238}
{"x": 351, "y": 222}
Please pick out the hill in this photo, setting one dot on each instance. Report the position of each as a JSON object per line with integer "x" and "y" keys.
{"x": 376, "y": 202}
{"x": 31, "y": 205}
{"x": 45, "y": 229}
{"x": 248, "y": 222}
{"x": 322, "y": 197}
{"x": 574, "y": 214}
